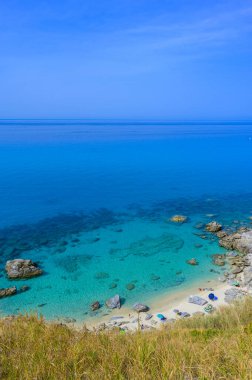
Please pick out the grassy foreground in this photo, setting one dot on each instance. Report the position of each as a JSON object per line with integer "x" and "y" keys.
{"x": 212, "y": 347}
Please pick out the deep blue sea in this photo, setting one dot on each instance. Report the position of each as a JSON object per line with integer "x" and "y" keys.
{"x": 91, "y": 203}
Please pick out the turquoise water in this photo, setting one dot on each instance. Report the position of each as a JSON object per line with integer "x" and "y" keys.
{"x": 91, "y": 202}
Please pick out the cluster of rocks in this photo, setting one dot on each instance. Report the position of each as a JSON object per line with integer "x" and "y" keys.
{"x": 19, "y": 269}
{"x": 239, "y": 258}
{"x": 233, "y": 294}
{"x": 119, "y": 322}
{"x": 6, "y": 292}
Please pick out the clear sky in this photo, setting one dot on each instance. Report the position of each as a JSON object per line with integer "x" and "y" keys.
{"x": 144, "y": 59}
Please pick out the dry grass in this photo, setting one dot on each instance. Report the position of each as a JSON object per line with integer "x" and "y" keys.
{"x": 214, "y": 347}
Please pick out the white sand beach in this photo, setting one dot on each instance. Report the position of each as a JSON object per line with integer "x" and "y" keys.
{"x": 127, "y": 319}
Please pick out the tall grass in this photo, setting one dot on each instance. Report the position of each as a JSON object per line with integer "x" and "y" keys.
{"x": 211, "y": 347}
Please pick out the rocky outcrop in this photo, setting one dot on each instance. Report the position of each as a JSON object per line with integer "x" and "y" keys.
{"x": 140, "y": 307}
{"x": 114, "y": 302}
{"x": 20, "y": 268}
{"x": 6, "y": 292}
{"x": 213, "y": 227}
{"x": 233, "y": 294}
{"x": 247, "y": 277}
{"x": 240, "y": 241}
{"x": 239, "y": 259}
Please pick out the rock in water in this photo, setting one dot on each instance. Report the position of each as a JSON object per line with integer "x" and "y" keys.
{"x": 178, "y": 219}
{"x": 20, "y": 268}
{"x": 213, "y": 227}
{"x": 218, "y": 259}
{"x": 95, "y": 305}
{"x": 140, "y": 307}
{"x": 8, "y": 292}
{"x": 24, "y": 288}
{"x": 130, "y": 286}
{"x": 114, "y": 302}
{"x": 192, "y": 262}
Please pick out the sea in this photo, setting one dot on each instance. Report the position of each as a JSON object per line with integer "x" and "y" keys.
{"x": 91, "y": 203}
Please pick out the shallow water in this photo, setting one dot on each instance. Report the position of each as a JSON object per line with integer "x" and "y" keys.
{"x": 92, "y": 205}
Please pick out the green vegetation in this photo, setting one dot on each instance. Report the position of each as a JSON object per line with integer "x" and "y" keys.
{"x": 210, "y": 347}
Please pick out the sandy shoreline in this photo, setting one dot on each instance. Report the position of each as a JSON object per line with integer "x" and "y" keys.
{"x": 240, "y": 272}
{"x": 127, "y": 319}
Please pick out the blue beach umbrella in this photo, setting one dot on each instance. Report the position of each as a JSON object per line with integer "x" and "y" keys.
{"x": 212, "y": 297}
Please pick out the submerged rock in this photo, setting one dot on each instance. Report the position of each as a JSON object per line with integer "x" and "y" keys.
{"x": 95, "y": 305}
{"x": 218, "y": 259}
{"x": 199, "y": 226}
{"x": 140, "y": 307}
{"x": 155, "y": 277}
{"x": 192, "y": 261}
{"x": 6, "y": 292}
{"x": 114, "y": 302}
{"x": 198, "y": 245}
{"x": 148, "y": 246}
{"x": 20, "y": 268}
{"x": 24, "y": 288}
{"x": 113, "y": 285}
{"x": 130, "y": 286}
{"x": 69, "y": 320}
{"x": 101, "y": 275}
{"x": 213, "y": 227}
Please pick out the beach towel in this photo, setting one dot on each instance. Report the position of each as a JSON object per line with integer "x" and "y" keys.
{"x": 197, "y": 300}
{"x": 209, "y": 308}
{"x": 161, "y": 317}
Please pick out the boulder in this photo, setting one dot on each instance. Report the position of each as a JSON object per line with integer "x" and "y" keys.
{"x": 155, "y": 277}
{"x": 248, "y": 277}
{"x": 95, "y": 305}
{"x": 114, "y": 302}
{"x": 233, "y": 294}
{"x": 6, "y": 292}
{"x": 237, "y": 270}
{"x": 20, "y": 268}
{"x": 213, "y": 227}
{"x": 140, "y": 307}
{"x": 178, "y": 219}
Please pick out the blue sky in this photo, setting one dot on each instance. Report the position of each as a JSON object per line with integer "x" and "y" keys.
{"x": 144, "y": 59}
